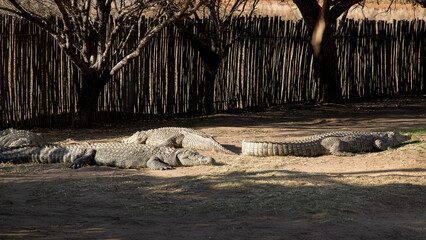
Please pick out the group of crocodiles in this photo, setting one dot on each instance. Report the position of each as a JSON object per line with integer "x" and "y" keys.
{"x": 156, "y": 148}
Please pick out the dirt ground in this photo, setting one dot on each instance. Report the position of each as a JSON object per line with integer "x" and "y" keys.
{"x": 379, "y": 195}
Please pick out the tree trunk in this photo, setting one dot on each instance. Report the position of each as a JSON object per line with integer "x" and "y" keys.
{"x": 194, "y": 108}
{"x": 326, "y": 69}
{"x": 210, "y": 77}
{"x": 87, "y": 99}
{"x": 326, "y": 64}
{"x": 212, "y": 64}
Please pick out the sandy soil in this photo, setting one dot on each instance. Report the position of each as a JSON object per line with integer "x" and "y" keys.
{"x": 379, "y": 195}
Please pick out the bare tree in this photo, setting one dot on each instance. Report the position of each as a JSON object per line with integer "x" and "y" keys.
{"x": 213, "y": 22}
{"x": 88, "y": 32}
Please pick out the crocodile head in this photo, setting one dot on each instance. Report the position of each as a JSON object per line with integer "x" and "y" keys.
{"x": 395, "y": 138}
{"x": 190, "y": 158}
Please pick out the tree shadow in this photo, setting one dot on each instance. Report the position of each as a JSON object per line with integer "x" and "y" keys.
{"x": 95, "y": 202}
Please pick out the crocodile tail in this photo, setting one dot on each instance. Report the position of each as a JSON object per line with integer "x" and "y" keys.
{"x": 218, "y": 147}
{"x": 261, "y": 148}
{"x": 309, "y": 149}
{"x": 257, "y": 148}
{"x": 207, "y": 143}
{"x": 268, "y": 149}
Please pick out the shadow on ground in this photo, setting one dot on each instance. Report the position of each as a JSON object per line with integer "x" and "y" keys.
{"x": 128, "y": 204}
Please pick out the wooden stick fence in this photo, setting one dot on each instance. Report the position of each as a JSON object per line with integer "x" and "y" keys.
{"x": 273, "y": 65}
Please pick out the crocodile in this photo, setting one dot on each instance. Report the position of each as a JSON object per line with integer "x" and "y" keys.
{"x": 177, "y": 137}
{"x": 340, "y": 143}
{"x": 107, "y": 154}
{"x": 11, "y": 138}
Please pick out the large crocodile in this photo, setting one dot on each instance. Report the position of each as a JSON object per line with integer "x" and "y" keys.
{"x": 177, "y": 137}
{"x": 10, "y": 138}
{"x": 108, "y": 154}
{"x": 342, "y": 143}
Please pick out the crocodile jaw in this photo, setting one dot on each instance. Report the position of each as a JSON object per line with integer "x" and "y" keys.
{"x": 396, "y": 138}
{"x": 192, "y": 158}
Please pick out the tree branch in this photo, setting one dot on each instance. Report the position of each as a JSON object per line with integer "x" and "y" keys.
{"x": 125, "y": 15}
{"x": 68, "y": 27}
{"x": 199, "y": 43}
{"x": 50, "y": 27}
{"x": 310, "y": 10}
{"x": 185, "y": 11}
{"x": 10, "y": 10}
{"x": 339, "y": 7}
{"x": 32, "y": 17}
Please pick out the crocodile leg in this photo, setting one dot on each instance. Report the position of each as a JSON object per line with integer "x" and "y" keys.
{"x": 155, "y": 163}
{"x": 335, "y": 146}
{"x": 173, "y": 141}
{"x": 83, "y": 160}
{"x": 381, "y": 145}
